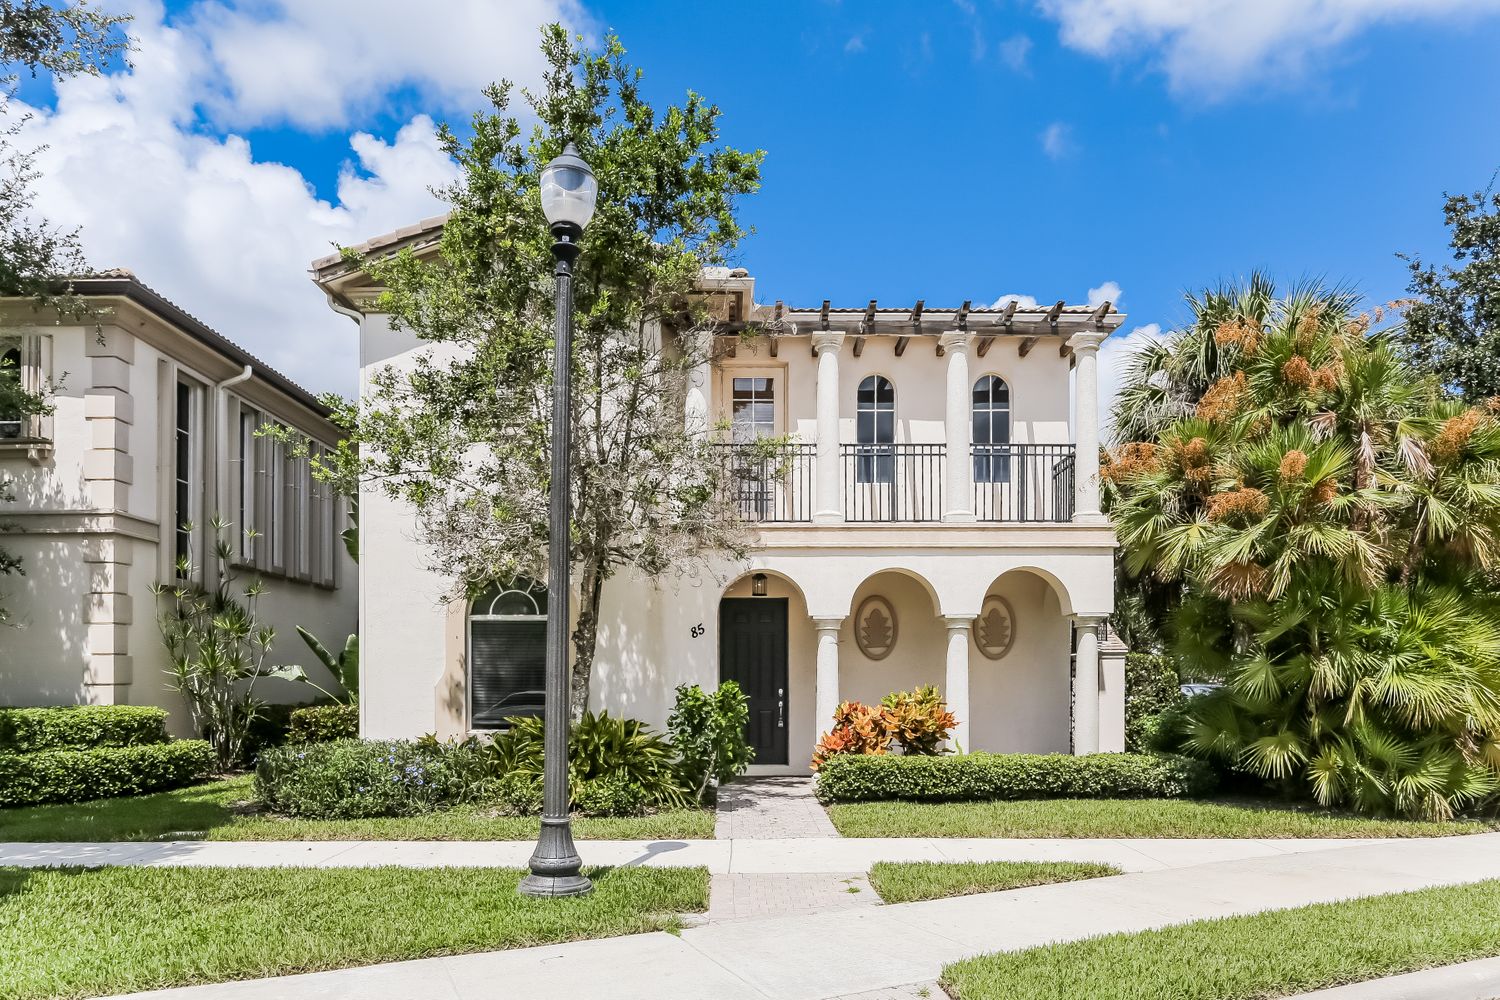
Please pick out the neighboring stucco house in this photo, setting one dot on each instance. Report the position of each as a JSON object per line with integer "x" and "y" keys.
{"x": 937, "y": 523}
{"x": 153, "y": 429}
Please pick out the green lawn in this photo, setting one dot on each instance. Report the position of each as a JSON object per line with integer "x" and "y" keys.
{"x": 71, "y": 932}
{"x": 1122, "y": 818}
{"x": 218, "y": 811}
{"x": 909, "y": 881}
{"x": 1250, "y": 958}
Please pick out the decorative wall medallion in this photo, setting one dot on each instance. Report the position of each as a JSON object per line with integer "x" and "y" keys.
{"x": 995, "y": 628}
{"x": 875, "y": 627}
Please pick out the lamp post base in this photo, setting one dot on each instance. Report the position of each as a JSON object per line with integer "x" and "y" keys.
{"x": 553, "y": 886}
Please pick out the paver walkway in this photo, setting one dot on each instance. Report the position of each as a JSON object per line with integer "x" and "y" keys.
{"x": 771, "y": 809}
{"x": 848, "y": 952}
{"x": 741, "y": 897}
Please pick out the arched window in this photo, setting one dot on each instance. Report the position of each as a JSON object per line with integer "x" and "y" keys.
{"x": 991, "y": 424}
{"x": 507, "y": 654}
{"x": 875, "y": 431}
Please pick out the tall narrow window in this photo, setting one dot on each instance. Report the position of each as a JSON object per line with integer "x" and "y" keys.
{"x": 11, "y": 384}
{"x": 875, "y": 431}
{"x": 247, "y": 478}
{"x": 507, "y": 654}
{"x": 991, "y": 416}
{"x": 186, "y": 477}
{"x": 754, "y": 408}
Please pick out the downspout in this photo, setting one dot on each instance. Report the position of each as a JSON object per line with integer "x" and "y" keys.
{"x": 221, "y": 441}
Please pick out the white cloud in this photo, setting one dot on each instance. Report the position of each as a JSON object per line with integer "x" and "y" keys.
{"x": 1114, "y": 357}
{"x": 1021, "y": 301}
{"x": 1210, "y": 47}
{"x": 316, "y": 63}
{"x": 1057, "y": 140}
{"x": 856, "y": 43}
{"x": 1015, "y": 51}
{"x": 1107, "y": 292}
{"x": 227, "y": 236}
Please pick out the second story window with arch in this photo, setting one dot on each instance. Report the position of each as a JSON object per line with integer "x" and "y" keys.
{"x": 991, "y": 430}
{"x": 875, "y": 431}
{"x": 507, "y": 654}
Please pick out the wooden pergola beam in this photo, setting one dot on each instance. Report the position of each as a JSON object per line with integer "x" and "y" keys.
{"x": 823, "y": 319}
{"x": 984, "y": 345}
{"x": 859, "y": 346}
{"x": 1010, "y": 312}
{"x": 901, "y": 343}
{"x": 869, "y": 323}
{"x": 1026, "y": 345}
{"x": 775, "y": 346}
{"x": 1098, "y": 317}
{"x": 962, "y": 319}
{"x": 916, "y": 316}
{"x": 1055, "y": 313}
{"x": 1065, "y": 351}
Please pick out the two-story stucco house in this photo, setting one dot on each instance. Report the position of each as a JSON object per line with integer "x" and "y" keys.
{"x": 153, "y": 431}
{"x": 937, "y": 522}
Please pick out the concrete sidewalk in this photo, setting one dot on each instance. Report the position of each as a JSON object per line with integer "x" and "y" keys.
{"x": 838, "y": 954}
{"x": 740, "y": 857}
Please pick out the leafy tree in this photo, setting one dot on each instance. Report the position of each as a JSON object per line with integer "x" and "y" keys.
{"x": 63, "y": 41}
{"x": 1453, "y": 323}
{"x": 463, "y": 436}
{"x": 1328, "y": 522}
{"x": 708, "y": 735}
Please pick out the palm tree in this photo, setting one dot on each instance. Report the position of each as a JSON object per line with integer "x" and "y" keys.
{"x": 1329, "y": 523}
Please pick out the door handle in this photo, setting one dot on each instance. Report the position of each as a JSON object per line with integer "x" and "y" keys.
{"x": 780, "y": 708}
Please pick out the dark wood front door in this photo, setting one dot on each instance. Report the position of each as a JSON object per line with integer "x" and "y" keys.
{"x": 752, "y": 652}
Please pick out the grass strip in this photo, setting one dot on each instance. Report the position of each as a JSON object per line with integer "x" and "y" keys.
{"x": 910, "y": 881}
{"x": 221, "y": 810}
{"x": 1124, "y": 818}
{"x": 72, "y": 932}
{"x": 1256, "y": 957}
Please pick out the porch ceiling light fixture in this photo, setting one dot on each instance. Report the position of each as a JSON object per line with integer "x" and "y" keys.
{"x": 568, "y": 194}
{"x": 758, "y": 585}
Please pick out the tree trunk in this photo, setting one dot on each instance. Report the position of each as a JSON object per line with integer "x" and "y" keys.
{"x": 585, "y": 636}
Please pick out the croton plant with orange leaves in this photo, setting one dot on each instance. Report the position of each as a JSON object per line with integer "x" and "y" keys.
{"x": 1324, "y": 522}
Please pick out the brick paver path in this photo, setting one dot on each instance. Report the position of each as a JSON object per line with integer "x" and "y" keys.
{"x": 771, "y": 809}
{"x": 916, "y": 991}
{"x": 736, "y": 897}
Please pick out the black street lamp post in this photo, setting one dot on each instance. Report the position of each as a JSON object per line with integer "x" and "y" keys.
{"x": 568, "y": 193}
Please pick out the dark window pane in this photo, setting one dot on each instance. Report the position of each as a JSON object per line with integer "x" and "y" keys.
{"x": 885, "y": 427}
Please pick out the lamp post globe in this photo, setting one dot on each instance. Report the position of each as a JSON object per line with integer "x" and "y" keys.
{"x": 568, "y": 192}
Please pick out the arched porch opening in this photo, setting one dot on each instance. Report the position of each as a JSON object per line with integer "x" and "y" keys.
{"x": 1019, "y": 666}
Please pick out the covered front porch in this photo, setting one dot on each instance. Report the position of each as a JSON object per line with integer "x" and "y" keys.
{"x": 1013, "y": 655}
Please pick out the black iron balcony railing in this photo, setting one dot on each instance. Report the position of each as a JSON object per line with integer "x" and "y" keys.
{"x": 893, "y": 482}
{"x": 1023, "y": 482}
{"x": 770, "y": 484}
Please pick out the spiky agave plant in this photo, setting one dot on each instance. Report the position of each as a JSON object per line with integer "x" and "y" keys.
{"x": 1330, "y": 522}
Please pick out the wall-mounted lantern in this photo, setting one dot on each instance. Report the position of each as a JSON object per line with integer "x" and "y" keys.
{"x": 758, "y": 585}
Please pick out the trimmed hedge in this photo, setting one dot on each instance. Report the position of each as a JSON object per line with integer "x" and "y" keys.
{"x": 986, "y": 776}
{"x": 101, "y": 773}
{"x": 80, "y": 727}
{"x": 357, "y": 779}
{"x": 324, "y": 724}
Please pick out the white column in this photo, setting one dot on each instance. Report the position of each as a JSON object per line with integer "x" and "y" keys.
{"x": 1086, "y": 427}
{"x": 696, "y": 404}
{"x": 958, "y": 505}
{"x": 957, "y": 693}
{"x": 827, "y": 698}
{"x": 1086, "y": 685}
{"x": 829, "y": 507}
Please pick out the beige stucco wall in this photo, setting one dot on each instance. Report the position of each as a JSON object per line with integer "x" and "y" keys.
{"x": 1020, "y": 703}
{"x": 89, "y": 518}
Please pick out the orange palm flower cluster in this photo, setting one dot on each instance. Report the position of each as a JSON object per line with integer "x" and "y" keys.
{"x": 1325, "y": 491}
{"x": 1238, "y": 332}
{"x": 1240, "y": 580}
{"x": 1293, "y": 464}
{"x": 1138, "y": 458}
{"x": 1224, "y": 398}
{"x": 1193, "y": 458}
{"x": 1453, "y": 437}
{"x": 1298, "y": 372}
{"x": 1247, "y": 503}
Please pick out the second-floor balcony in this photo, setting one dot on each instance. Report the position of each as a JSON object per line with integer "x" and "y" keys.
{"x": 909, "y": 483}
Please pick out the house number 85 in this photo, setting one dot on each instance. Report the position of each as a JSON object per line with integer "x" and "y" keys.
{"x": 697, "y": 630}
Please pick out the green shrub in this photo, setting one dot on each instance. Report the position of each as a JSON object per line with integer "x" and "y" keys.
{"x": 611, "y": 795}
{"x": 1153, "y": 694}
{"x": 708, "y": 733}
{"x": 356, "y": 779}
{"x": 599, "y": 746}
{"x": 268, "y": 729}
{"x": 324, "y": 724}
{"x": 520, "y": 792}
{"x": 80, "y": 727}
{"x": 987, "y": 776}
{"x": 101, "y": 772}
{"x": 918, "y": 720}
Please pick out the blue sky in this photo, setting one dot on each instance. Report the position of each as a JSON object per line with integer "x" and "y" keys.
{"x": 939, "y": 150}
